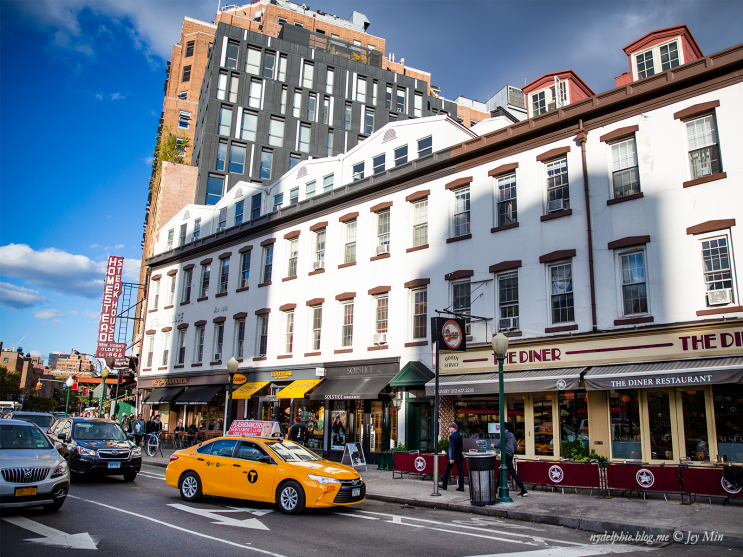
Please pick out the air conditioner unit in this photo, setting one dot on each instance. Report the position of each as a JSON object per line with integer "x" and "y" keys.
{"x": 318, "y": 265}
{"x": 719, "y": 297}
{"x": 556, "y": 205}
{"x": 217, "y": 357}
{"x": 551, "y": 106}
{"x": 380, "y": 338}
{"x": 383, "y": 249}
{"x": 506, "y": 324}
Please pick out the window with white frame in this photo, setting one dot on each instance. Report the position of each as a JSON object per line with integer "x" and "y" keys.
{"x": 262, "y": 335}
{"x": 378, "y": 164}
{"x": 347, "y": 116}
{"x": 704, "y": 151}
{"x": 293, "y": 196}
{"x": 561, "y": 293}
{"x": 293, "y": 255}
{"x": 329, "y": 147}
{"x": 558, "y": 189}
{"x": 425, "y": 146}
{"x": 249, "y": 126}
{"x": 347, "y": 327}
{"x": 316, "y": 327}
{"x": 224, "y": 274}
{"x": 308, "y": 73}
{"x": 375, "y": 90}
{"x": 358, "y": 171}
{"x": 669, "y": 56}
{"x": 205, "y": 271}
{"x": 254, "y": 93}
{"x": 461, "y": 212}
{"x": 319, "y": 250}
{"x": 239, "y": 212}
{"x": 266, "y": 163}
{"x": 288, "y": 332}
{"x": 309, "y": 189}
{"x": 381, "y": 319}
{"x": 311, "y": 106}
{"x": 245, "y": 270}
{"x": 231, "y": 55}
{"x": 506, "y": 197}
{"x": 278, "y": 201}
{"x": 276, "y": 132}
{"x": 644, "y": 64}
{"x": 329, "y": 76}
{"x": 420, "y": 313}
{"x": 197, "y": 228}
{"x": 255, "y": 206}
{"x": 625, "y": 175}
{"x": 361, "y": 89}
{"x": 269, "y": 59}
{"x": 267, "y": 263}
{"x": 221, "y": 155}
{"x": 634, "y": 289}
{"x": 182, "y": 234}
{"x": 717, "y": 270}
{"x": 401, "y": 155}
{"x": 171, "y": 232}
{"x": 383, "y": 228}
{"x": 283, "y": 60}
{"x": 327, "y": 183}
{"x": 539, "y": 103}
{"x": 508, "y": 301}
{"x": 199, "y": 345}
{"x": 181, "y": 346}
{"x": 388, "y": 97}
{"x": 237, "y": 158}
{"x": 418, "y": 105}
{"x": 304, "y": 138}
{"x": 253, "y": 62}
{"x": 166, "y": 349}
{"x": 297, "y": 106}
{"x": 461, "y": 301}
{"x": 184, "y": 120}
{"x": 218, "y": 341}
{"x": 187, "y": 278}
{"x": 284, "y": 97}
{"x": 294, "y": 160}
{"x": 400, "y": 100}
{"x": 325, "y": 110}
{"x": 350, "y": 243}
{"x": 156, "y": 298}
{"x": 150, "y": 350}
{"x": 171, "y": 292}
{"x": 239, "y": 339}
{"x": 225, "y": 120}
{"x": 222, "y": 222}
{"x": 420, "y": 223}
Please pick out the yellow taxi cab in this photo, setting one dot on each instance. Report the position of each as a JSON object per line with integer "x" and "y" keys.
{"x": 271, "y": 470}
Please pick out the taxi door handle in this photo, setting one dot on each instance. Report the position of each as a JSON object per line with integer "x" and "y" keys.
{"x": 236, "y": 465}
{"x": 201, "y": 459}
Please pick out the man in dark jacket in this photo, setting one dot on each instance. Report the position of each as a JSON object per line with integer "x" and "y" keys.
{"x": 511, "y": 446}
{"x": 454, "y": 457}
{"x": 298, "y": 432}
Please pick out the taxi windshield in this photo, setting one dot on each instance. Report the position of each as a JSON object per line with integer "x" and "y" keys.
{"x": 292, "y": 452}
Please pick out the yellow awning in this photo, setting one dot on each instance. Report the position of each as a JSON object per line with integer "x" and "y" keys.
{"x": 297, "y": 389}
{"x": 246, "y": 390}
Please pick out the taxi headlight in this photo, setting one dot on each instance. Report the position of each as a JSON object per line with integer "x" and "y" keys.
{"x": 323, "y": 479}
{"x": 137, "y": 451}
{"x": 85, "y": 452}
{"x": 60, "y": 470}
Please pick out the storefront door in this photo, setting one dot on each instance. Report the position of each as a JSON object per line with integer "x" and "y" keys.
{"x": 418, "y": 433}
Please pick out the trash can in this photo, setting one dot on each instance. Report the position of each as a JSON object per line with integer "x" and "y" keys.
{"x": 483, "y": 478}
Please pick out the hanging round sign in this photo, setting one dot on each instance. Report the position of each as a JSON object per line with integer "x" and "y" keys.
{"x": 238, "y": 379}
{"x": 451, "y": 333}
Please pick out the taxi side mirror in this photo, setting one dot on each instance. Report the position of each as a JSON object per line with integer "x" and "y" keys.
{"x": 265, "y": 459}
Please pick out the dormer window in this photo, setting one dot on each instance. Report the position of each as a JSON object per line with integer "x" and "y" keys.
{"x": 666, "y": 56}
{"x": 669, "y": 56}
{"x": 645, "y": 64}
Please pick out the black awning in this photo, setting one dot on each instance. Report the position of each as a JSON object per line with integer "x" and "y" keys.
{"x": 351, "y": 388}
{"x": 199, "y": 395}
{"x": 162, "y": 395}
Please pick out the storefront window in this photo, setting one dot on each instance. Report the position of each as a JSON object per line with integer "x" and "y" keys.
{"x": 659, "y": 417}
{"x": 728, "y": 401}
{"x": 313, "y": 417}
{"x": 543, "y": 426}
{"x": 573, "y": 419}
{"x": 377, "y": 423}
{"x": 695, "y": 425}
{"x": 515, "y": 417}
{"x": 626, "y": 439}
{"x": 393, "y": 426}
{"x": 473, "y": 414}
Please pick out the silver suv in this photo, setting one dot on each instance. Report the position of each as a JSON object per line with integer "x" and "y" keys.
{"x": 32, "y": 472}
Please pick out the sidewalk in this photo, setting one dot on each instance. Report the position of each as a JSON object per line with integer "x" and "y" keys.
{"x": 581, "y": 511}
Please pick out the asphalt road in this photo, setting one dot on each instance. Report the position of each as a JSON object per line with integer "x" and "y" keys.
{"x": 109, "y": 517}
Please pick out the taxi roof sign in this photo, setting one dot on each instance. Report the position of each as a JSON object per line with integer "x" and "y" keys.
{"x": 254, "y": 428}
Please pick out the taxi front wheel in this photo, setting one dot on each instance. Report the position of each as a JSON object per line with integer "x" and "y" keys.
{"x": 290, "y": 498}
{"x": 190, "y": 487}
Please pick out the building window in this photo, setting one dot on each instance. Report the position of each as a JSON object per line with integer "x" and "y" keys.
{"x": 319, "y": 250}
{"x": 378, "y": 164}
{"x": 276, "y": 132}
{"x": 717, "y": 275}
{"x": 245, "y": 270}
{"x": 254, "y": 95}
{"x": 183, "y": 95}
{"x": 309, "y": 189}
{"x": 249, "y": 126}
{"x": 282, "y": 67}
{"x": 184, "y": 120}
{"x": 375, "y": 90}
{"x": 221, "y": 155}
{"x": 234, "y": 84}
{"x": 558, "y": 190}
{"x": 237, "y": 158}
{"x": 361, "y": 89}
{"x": 304, "y": 138}
{"x": 166, "y": 349}
{"x": 294, "y": 160}
{"x": 350, "y": 244}
{"x": 347, "y": 330}
{"x": 205, "y": 272}
{"x": 400, "y": 100}
{"x": 293, "y": 196}
{"x": 388, "y": 97}
{"x": 461, "y": 302}
{"x": 393, "y": 117}
{"x": 358, "y": 171}
{"x": 181, "y": 356}
{"x": 296, "y": 23}
{"x": 420, "y": 223}
{"x": 197, "y": 228}
{"x": 218, "y": 341}
{"x": 507, "y": 200}
{"x": 278, "y": 201}
{"x": 266, "y": 162}
{"x": 634, "y": 291}
{"x": 297, "y": 103}
{"x": 561, "y": 279}
{"x": 625, "y": 175}
{"x": 327, "y": 183}
{"x": 369, "y": 121}
{"x": 347, "y": 117}
{"x": 508, "y": 301}
{"x": 240, "y": 339}
{"x": 538, "y": 103}
{"x": 330, "y": 143}
{"x": 288, "y": 332}
{"x": 253, "y": 63}
{"x": 214, "y": 186}
{"x": 182, "y": 235}
{"x": 231, "y": 56}
{"x": 284, "y": 95}
{"x": 225, "y": 120}
{"x": 325, "y": 109}
{"x": 329, "y": 77}
{"x": 311, "y": 106}
{"x": 381, "y": 319}
{"x": 170, "y": 238}
{"x": 239, "y": 213}
{"x": 187, "y": 277}
{"x": 401, "y": 155}
{"x": 186, "y": 74}
{"x": 418, "y": 105}
{"x": 189, "y": 49}
{"x": 293, "y": 255}
{"x": 150, "y": 349}
{"x": 156, "y": 300}
{"x": 267, "y": 263}
{"x": 644, "y": 64}
{"x": 704, "y": 152}
{"x": 425, "y": 146}
{"x": 171, "y": 292}
{"x": 199, "y": 345}
{"x": 224, "y": 274}
{"x": 316, "y": 327}
{"x": 308, "y": 72}
{"x": 255, "y": 206}
{"x": 282, "y": 21}
{"x": 262, "y": 335}
{"x": 269, "y": 59}
{"x": 420, "y": 314}
{"x": 461, "y": 212}
{"x": 222, "y": 222}
{"x": 383, "y": 228}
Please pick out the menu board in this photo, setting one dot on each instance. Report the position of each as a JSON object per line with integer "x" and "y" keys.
{"x": 354, "y": 455}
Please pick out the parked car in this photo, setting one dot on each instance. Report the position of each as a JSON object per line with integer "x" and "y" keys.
{"x": 32, "y": 472}
{"x": 95, "y": 446}
{"x": 42, "y": 419}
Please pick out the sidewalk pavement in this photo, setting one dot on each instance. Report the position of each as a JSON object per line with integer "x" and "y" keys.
{"x": 723, "y": 524}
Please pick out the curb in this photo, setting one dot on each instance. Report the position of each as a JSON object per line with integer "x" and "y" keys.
{"x": 154, "y": 463}
{"x": 596, "y": 526}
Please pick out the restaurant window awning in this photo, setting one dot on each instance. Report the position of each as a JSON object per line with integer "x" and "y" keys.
{"x": 297, "y": 389}
{"x": 695, "y": 372}
{"x": 531, "y": 381}
{"x": 413, "y": 374}
{"x": 351, "y": 388}
{"x": 162, "y": 395}
{"x": 200, "y": 395}
{"x": 246, "y": 390}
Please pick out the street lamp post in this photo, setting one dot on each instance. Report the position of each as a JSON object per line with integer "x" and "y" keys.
{"x": 232, "y": 366}
{"x": 500, "y": 347}
{"x": 70, "y": 382}
{"x": 104, "y": 374}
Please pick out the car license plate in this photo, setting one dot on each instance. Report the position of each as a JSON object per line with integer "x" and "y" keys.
{"x": 114, "y": 464}
{"x": 356, "y": 492}
{"x": 25, "y": 491}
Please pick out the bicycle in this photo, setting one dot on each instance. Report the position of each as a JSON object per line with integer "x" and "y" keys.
{"x": 152, "y": 444}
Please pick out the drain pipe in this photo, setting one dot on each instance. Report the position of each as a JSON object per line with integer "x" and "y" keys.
{"x": 582, "y": 136}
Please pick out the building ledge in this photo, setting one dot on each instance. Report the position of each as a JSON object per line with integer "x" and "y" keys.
{"x": 418, "y": 248}
{"x": 344, "y": 265}
{"x": 556, "y": 215}
{"x": 261, "y": 285}
{"x": 634, "y": 320}
{"x": 383, "y": 256}
{"x": 288, "y": 278}
{"x": 504, "y": 227}
{"x": 378, "y": 347}
{"x": 343, "y": 351}
{"x": 561, "y": 329}
{"x": 705, "y": 179}
{"x": 243, "y": 289}
{"x": 315, "y": 272}
{"x": 719, "y": 311}
{"x": 625, "y": 198}
{"x": 459, "y": 238}
{"x": 416, "y": 343}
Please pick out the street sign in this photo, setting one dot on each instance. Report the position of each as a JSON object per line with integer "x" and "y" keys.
{"x": 75, "y": 384}
{"x": 238, "y": 379}
{"x": 450, "y": 332}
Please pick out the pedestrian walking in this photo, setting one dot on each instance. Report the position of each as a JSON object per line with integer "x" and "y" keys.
{"x": 157, "y": 425}
{"x": 138, "y": 429}
{"x": 511, "y": 446}
{"x": 298, "y": 432}
{"x": 454, "y": 458}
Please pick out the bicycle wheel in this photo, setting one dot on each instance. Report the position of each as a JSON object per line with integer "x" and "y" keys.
{"x": 152, "y": 445}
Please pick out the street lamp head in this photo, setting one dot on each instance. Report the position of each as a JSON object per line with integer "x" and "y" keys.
{"x": 232, "y": 365}
{"x": 70, "y": 382}
{"x": 104, "y": 372}
{"x": 500, "y": 344}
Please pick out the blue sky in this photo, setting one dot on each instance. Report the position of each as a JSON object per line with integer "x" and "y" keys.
{"x": 82, "y": 91}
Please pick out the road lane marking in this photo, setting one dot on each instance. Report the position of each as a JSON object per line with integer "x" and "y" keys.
{"x": 152, "y": 477}
{"x": 222, "y": 520}
{"x": 397, "y": 520}
{"x": 256, "y": 512}
{"x": 173, "y": 526}
{"x": 353, "y": 515}
{"x": 584, "y": 550}
{"x": 52, "y": 536}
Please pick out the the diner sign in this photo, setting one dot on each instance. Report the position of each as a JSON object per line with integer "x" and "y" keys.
{"x": 169, "y": 381}
{"x": 449, "y": 333}
{"x": 720, "y": 339}
{"x": 254, "y": 428}
{"x": 281, "y": 374}
{"x": 107, "y": 346}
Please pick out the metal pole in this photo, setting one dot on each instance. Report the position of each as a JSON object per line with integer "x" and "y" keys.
{"x": 436, "y": 427}
{"x": 67, "y": 406}
{"x": 228, "y": 406}
{"x": 118, "y": 380}
{"x": 504, "y": 497}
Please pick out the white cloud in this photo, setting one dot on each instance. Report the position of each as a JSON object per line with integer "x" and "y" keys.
{"x": 88, "y": 314}
{"x": 117, "y": 96}
{"x": 48, "y": 314}
{"x": 15, "y": 298}
{"x": 99, "y": 96}
{"x": 119, "y": 246}
{"x": 35, "y": 354}
{"x": 53, "y": 322}
{"x": 94, "y": 246}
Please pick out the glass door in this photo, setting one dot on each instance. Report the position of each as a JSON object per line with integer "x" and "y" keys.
{"x": 693, "y": 417}
{"x": 663, "y": 433}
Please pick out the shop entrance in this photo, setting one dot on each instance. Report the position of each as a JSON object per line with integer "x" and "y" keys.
{"x": 418, "y": 434}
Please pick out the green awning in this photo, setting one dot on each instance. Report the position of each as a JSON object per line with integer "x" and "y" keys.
{"x": 414, "y": 374}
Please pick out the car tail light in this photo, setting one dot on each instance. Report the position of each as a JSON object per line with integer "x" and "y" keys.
{"x": 173, "y": 458}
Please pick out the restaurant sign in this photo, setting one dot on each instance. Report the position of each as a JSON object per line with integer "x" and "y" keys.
{"x": 721, "y": 339}
{"x": 107, "y": 346}
{"x": 169, "y": 381}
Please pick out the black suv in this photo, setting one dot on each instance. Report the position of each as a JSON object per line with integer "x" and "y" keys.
{"x": 94, "y": 446}
{"x": 41, "y": 419}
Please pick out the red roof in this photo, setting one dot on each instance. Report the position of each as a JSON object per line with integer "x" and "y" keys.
{"x": 549, "y": 78}
{"x": 666, "y": 33}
